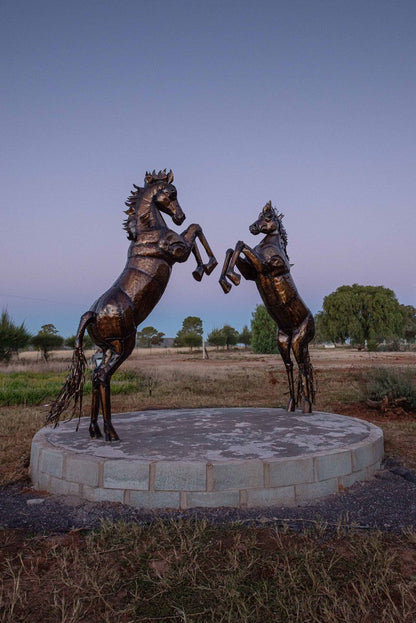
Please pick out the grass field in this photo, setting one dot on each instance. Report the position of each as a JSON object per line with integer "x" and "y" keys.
{"x": 192, "y": 571}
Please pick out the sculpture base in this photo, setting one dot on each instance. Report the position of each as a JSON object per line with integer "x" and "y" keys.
{"x": 185, "y": 458}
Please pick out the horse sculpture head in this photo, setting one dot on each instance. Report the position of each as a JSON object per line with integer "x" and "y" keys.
{"x": 270, "y": 222}
{"x": 159, "y": 191}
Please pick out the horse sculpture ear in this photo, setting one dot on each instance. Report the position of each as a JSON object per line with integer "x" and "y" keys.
{"x": 148, "y": 177}
{"x": 170, "y": 177}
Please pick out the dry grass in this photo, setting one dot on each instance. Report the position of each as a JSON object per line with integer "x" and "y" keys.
{"x": 195, "y": 572}
{"x": 151, "y": 380}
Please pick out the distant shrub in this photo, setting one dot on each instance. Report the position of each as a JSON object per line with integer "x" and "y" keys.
{"x": 396, "y": 387}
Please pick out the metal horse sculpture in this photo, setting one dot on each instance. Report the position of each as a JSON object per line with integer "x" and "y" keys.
{"x": 113, "y": 319}
{"x": 268, "y": 265}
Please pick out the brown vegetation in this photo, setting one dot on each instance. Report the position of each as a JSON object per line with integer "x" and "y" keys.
{"x": 196, "y": 572}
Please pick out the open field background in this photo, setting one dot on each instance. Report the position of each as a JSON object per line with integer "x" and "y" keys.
{"x": 191, "y": 570}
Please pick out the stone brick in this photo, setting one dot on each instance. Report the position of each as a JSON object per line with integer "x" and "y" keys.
{"x": 179, "y": 476}
{"x": 51, "y": 462}
{"x": 334, "y": 464}
{"x": 349, "y": 479}
{"x": 235, "y": 475}
{"x": 315, "y": 490}
{"x": 82, "y": 469}
{"x": 212, "y": 499}
{"x": 99, "y": 494}
{"x": 154, "y": 499}
{"x": 63, "y": 487}
{"x": 285, "y": 472}
{"x": 34, "y": 458}
{"x": 123, "y": 474}
{"x": 280, "y": 496}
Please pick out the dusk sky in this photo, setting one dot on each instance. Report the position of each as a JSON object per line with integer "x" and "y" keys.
{"x": 309, "y": 103}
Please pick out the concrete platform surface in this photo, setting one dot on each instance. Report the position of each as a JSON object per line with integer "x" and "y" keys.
{"x": 184, "y": 458}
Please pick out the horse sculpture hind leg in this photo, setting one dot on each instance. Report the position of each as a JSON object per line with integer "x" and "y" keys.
{"x": 118, "y": 353}
{"x": 284, "y": 343}
{"x": 300, "y": 341}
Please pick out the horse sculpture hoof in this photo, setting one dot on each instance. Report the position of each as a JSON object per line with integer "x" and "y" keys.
{"x": 198, "y": 273}
{"x": 209, "y": 267}
{"x": 291, "y": 405}
{"x": 95, "y": 432}
{"x": 225, "y": 285}
{"x": 234, "y": 278}
{"x": 307, "y": 407}
{"x": 111, "y": 435}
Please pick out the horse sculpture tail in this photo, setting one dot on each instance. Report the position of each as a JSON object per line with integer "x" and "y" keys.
{"x": 74, "y": 384}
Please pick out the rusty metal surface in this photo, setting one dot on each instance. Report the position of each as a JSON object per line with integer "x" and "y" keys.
{"x": 269, "y": 266}
{"x": 113, "y": 319}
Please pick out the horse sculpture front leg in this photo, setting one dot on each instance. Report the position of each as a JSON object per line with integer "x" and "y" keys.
{"x": 190, "y": 235}
{"x": 249, "y": 266}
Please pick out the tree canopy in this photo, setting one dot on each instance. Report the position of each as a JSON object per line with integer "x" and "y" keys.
{"x": 191, "y": 332}
{"x": 47, "y": 339}
{"x": 12, "y": 337}
{"x": 227, "y": 336}
{"x": 149, "y": 336}
{"x": 263, "y": 330}
{"x": 245, "y": 336}
{"x": 360, "y": 313}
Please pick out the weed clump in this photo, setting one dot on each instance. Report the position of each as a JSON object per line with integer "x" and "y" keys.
{"x": 386, "y": 388}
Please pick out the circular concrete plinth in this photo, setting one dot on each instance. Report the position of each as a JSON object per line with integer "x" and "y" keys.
{"x": 184, "y": 458}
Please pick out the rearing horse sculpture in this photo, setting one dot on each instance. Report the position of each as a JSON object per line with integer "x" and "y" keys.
{"x": 113, "y": 319}
{"x": 268, "y": 265}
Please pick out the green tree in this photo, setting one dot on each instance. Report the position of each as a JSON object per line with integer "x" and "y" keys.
{"x": 46, "y": 340}
{"x": 148, "y": 337}
{"x": 245, "y": 336}
{"x": 86, "y": 342}
{"x": 263, "y": 331}
{"x": 230, "y": 334}
{"x": 191, "y": 332}
{"x": 216, "y": 338}
{"x": 361, "y": 313}
{"x": 409, "y": 313}
{"x": 12, "y": 337}
{"x": 227, "y": 336}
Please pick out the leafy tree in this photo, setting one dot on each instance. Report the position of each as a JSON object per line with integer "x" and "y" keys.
{"x": 12, "y": 337}
{"x": 361, "y": 313}
{"x": 216, "y": 338}
{"x": 149, "y": 336}
{"x": 409, "y": 313}
{"x": 263, "y": 330}
{"x": 86, "y": 342}
{"x": 245, "y": 336}
{"x": 47, "y": 339}
{"x": 227, "y": 336}
{"x": 191, "y": 332}
{"x": 231, "y": 336}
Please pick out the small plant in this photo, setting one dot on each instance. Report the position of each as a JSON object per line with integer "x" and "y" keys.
{"x": 391, "y": 388}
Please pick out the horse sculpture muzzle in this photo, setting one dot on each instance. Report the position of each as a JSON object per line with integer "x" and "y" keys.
{"x": 254, "y": 228}
{"x": 178, "y": 216}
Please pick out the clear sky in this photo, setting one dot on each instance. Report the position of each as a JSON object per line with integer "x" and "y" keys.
{"x": 309, "y": 103}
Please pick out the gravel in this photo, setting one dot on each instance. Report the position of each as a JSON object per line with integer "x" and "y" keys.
{"x": 387, "y": 503}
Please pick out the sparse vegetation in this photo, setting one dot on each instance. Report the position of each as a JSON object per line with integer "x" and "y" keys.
{"x": 191, "y": 570}
{"x": 391, "y": 387}
{"x": 196, "y": 572}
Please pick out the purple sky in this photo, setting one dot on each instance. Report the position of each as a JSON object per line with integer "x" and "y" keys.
{"x": 308, "y": 103}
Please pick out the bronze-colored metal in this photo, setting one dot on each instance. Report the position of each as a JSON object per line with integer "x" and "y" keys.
{"x": 268, "y": 265}
{"x": 113, "y": 319}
